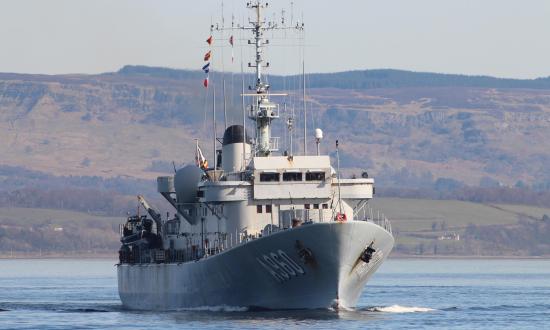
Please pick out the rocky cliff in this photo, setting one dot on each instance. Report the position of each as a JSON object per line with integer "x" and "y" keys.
{"x": 399, "y": 126}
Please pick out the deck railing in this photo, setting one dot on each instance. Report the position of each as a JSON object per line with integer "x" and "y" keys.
{"x": 198, "y": 247}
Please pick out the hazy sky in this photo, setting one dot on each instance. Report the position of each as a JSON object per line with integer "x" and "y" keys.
{"x": 505, "y": 38}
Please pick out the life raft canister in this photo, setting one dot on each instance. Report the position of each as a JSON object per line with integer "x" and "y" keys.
{"x": 341, "y": 217}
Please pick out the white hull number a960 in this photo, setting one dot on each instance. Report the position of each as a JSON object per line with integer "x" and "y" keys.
{"x": 280, "y": 266}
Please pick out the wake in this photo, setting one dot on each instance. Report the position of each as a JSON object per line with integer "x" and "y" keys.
{"x": 221, "y": 308}
{"x": 401, "y": 309}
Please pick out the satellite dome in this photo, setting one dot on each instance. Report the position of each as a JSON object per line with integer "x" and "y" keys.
{"x": 318, "y": 133}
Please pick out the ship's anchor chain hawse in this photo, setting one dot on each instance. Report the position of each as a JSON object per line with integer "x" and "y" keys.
{"x": 305, "y": 254}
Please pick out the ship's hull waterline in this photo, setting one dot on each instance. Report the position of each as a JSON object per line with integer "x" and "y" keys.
{"x": 311, "y": 266}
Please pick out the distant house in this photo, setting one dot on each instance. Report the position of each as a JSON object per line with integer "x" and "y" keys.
{"x": 452, "y": 236}
{"x": 58, "y": 229}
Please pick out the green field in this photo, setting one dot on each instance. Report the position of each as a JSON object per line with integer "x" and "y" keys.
{"x": 33, "y": 232}
{"x": 417, "y": 215}
{"x": 31, "y": 216}
{"x": 417, "y": 224}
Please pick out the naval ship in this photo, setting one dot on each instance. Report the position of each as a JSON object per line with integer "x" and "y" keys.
{"x": 258, "y": 229}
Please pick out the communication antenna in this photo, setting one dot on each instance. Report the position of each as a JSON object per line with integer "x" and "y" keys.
{"x": 244, "y": 110}
{"x": 290, "y": 128}
{"x": 224, "y": 105}
{"x": 338, "y": 169}
{"x": 291, "y": 13}
{"x": 214, "y": 124}
{"x": 305, "y": 110}
{"x": 223, "y": 77}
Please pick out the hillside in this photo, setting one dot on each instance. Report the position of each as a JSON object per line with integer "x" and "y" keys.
{"x": 44, "y": 232}
{"x": 409, "y": 130}
{"x": 427, "y": 227}
{"x": 364, "y": 79}
{"x": 483, "y": 229}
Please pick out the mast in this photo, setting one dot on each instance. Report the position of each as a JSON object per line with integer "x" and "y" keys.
{"x": 258, "y": 36}
{"x": 262, "y": 111}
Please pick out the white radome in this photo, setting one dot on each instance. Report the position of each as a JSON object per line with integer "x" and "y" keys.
{"x": 318, "y": 133}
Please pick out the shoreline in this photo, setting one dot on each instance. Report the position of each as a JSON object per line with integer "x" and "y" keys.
{"x": 465, "y": 257}
{"x": 60, "y": 256}
{"x": 113, "y": 256}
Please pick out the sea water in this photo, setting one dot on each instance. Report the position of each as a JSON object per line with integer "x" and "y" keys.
{"x": 403, "y": 294}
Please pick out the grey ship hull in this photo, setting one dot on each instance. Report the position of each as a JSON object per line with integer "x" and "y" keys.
{"x": 243, "y": 277}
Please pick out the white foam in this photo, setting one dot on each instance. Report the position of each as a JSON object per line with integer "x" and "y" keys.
{"x": 402, "y": 309}
{"x": 221, "y": 308}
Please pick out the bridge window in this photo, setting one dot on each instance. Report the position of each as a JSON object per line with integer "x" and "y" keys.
{"x": 292, "y": 176}
{"x": 269, "y": 177}
{"x": 325, "y": 206}
{"x": 258, "y": 209}
{"x": 315, "y": 176}
{"x": 316, "y": 206}
{"x": 268, "y": 209}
